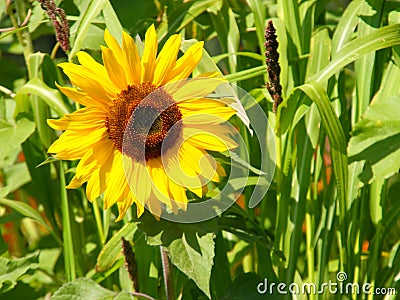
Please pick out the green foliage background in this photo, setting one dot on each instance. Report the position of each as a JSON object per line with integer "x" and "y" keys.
{"x": 334, "y": 203}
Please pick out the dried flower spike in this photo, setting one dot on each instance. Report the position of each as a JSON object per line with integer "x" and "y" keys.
{"x": 59, "y": 20}
{"x": 130, "y": 262}
{"x": 271, "y": 57}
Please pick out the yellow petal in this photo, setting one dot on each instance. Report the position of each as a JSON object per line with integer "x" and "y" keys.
{"x": 84, "y": 99}
{"x": 149, "y": 55}
{"x": 160, "y": 180}
{"x": 205, "y": 111}
{"x": 93, "y": 66}
{"x": 178, "y": 194}
{"x": 73, "y": 145}
{"x": 166, "y": 59}
{"x": 184, "y": 66}
{"x": 61, "y": 124}
{"x": 124, "y": 205}
{"x": 97, "y": 182}
{"x": 94, "y": 159}
{"x": 183, "y": 173}
{"x": 131, "y": 54}
{"x": 194, "y": 88}
{"x": 89, "y": 82}
{"x": 217, "y": 140}
{"x": 114, "y": 46}
{"x": 154, "y": 205}
{"x": 114, "y": 69}
{"x": 117, "y": 187}
{"x": 200, "y": 161}
{"x": 138, "y": 179}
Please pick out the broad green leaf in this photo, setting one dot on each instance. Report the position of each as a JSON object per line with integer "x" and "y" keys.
{"x": 346, "y": 26}
{"x": 4, "y": 191}
{"x": 112, "y": 22}
{"x": 365, "y": 67}
{"x": 246, "y": 74}
{"x": 37, "y": 65}
{"x": 255, "y": 56}
{"x": 196, "y": 265}
{"x": 51, "y": 96}
{"x": 111, "y": 251}
{"x": 336, "y": 137}
{"x": 259, "y": 12}
{"x": 16, "y": 175}
{"x": 376, "y": 139}
{"x": 25, "y": 210}
{"x": 11, "y": 139}
{"x": 182, "y": 16}
{"x": 84, "y": 289}
{"x": 228, "y": 34}
{"x": 80, "y": 29}
{"x": 190, "y": 246}
{"x": 12, "y": 270}
{"x": 381, "y": 38}
{"x": 239, "y": 162}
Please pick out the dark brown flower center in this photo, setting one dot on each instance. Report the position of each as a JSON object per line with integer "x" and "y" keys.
{"x": 141, "y": 118}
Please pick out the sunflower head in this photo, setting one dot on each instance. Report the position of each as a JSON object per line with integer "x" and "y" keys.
{"x": 144, "y": 130}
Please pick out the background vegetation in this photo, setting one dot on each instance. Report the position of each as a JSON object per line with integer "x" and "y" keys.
{"x": 334, "y": 203}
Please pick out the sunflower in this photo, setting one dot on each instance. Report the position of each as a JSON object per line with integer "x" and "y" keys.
{"x": 144, "y": 130}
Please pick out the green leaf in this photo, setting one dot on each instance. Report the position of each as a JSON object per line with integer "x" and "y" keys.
{"x": 11, "y": 139}
{"x": 336, "y": 137}
{"x": 4, "y": 191}
{"x": 259, "y": 11}
{"x": 252, "y": 55}
{"x": 376, "y": 140}
{"x": 12, "y": 270}
{"x": 16, "y": 175}
{"x": 51, "y": 96}
{"x": 190, "y": 246}
{"x": 228, "y": 33}
{"x": 25, "y": 210}
{"x": 380, "y": 38}
{"x": 112, "y": 22}
{"x": 83, "y": 289}
{"x": 80, "y": 29}
{"x": 181, "y": 16}
{"x": 112, "y": 251}
{"x": 346, "y": 26}
{"x": 195, "y": 265}
{"x": 246, "y": 74}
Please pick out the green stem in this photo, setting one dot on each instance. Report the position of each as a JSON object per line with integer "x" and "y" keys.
{"x": 6, "y": 91}
{"x": 23, "y": 36}
{"x": 97, "y": 217}
{"x": 169, "y": 288}
{"x": 67, "y": 235}
{"x": 310, "y": 249}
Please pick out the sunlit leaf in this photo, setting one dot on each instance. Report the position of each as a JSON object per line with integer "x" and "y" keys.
{"x": 190, "y": 246}
{"x": 51, "y": 96}
{"x": 84, "y": 289}
{"x": 112, "y": 250}
{"x": 12, "y": 270}
{"x": 376, "y": 139}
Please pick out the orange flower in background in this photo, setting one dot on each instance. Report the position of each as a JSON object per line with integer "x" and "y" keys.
{"x": 142, "y": 135}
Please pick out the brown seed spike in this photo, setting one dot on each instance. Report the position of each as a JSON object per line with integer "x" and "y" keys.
{"x": 130, "y": 263}
{"x": 271, "y": 58}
